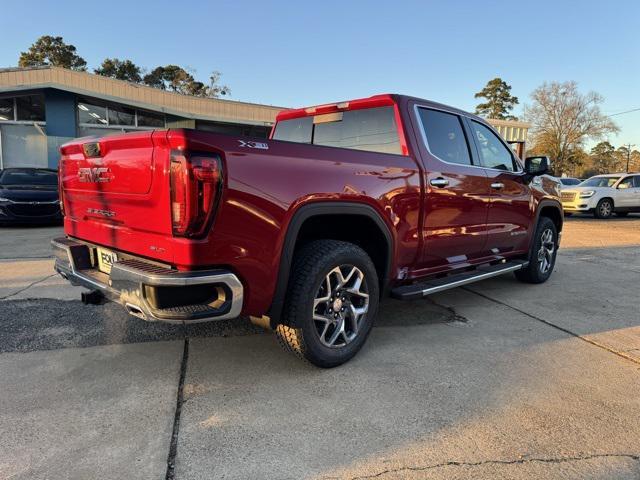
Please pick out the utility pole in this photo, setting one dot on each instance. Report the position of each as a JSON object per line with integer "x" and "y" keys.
{"x": 629, "y": 146}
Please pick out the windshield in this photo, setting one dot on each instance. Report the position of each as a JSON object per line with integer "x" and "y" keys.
{"x": 569, "y": 181}
{"x": 600, "y": 182}
{"x": 28, "y": 177}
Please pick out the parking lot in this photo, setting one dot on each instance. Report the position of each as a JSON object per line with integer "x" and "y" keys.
{"x": 499, "y": 379}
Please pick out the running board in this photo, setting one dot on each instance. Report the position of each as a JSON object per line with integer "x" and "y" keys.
{"x": 419, "y": 290}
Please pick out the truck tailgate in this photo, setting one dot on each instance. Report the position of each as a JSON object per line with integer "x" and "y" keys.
{"x": 115, "y": 192}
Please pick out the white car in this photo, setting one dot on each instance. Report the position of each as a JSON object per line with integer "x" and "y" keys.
{"x": 604, "y": 195}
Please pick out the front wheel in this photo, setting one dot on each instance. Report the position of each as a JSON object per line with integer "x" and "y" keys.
{"x": 331, "y": 303}
{"x": 542, "y": 257}
{"x": 604, "y": 209}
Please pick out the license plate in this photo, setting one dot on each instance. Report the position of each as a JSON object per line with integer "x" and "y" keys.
{"x": 106, "y": 258}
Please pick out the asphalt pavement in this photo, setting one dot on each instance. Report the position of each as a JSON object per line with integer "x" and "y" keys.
{"x": 495, "y": 380}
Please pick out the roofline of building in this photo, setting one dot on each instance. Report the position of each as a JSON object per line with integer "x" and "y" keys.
{"x": 129, "y": 93}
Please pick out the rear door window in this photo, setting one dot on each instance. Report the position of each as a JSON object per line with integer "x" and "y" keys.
{"x": 636, "y": 181}
{"x": 493, "y": 153}
{"x": 445, "y": 136}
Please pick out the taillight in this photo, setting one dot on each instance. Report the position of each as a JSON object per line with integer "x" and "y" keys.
{"x": 60, "y": 191}
{"x": 195, "y": 180}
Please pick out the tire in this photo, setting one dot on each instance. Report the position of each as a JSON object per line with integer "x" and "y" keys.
{"x": 604, "y": 209}
{"x": 622, "y": 214}
{"x": 309, "y": 321}
{"x": 544, "y": 249}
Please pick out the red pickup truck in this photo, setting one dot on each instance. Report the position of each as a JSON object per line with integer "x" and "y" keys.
{"x": 305, "y": 232}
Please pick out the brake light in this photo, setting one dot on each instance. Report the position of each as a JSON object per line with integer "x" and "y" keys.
{"x": 60, "y": 191}
{"x": 195, "y": 181}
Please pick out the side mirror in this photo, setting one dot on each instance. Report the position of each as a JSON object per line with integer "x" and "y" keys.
{"x": 535, "y": 166}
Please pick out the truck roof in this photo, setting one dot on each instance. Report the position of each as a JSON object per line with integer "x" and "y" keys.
{"x": 373, "y": 101}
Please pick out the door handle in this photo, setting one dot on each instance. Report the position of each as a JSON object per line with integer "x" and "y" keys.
{"x": 497, "y": 185}
{"x": 439, "y": 182}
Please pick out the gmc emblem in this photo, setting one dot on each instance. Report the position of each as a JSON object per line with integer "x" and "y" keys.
{"x": 94, "y": 175}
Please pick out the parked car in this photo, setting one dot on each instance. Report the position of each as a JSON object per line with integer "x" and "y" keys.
{"x": 305, "y": 232}
{"x": 604, "y": 195}
{"x": 568, "y": 182}
{"x": 29, "y": 196}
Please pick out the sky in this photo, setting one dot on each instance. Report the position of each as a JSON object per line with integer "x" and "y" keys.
{"x": 302, "y": 53}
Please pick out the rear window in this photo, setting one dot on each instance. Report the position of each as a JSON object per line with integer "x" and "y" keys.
{"x": 295, "y": 130}
{"x": 370, "y": 129}
{"x": 36, "y": 177}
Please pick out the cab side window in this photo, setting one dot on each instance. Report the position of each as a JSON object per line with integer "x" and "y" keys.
{"x": 493, "y": 153}
{"x": 636, "y": 181}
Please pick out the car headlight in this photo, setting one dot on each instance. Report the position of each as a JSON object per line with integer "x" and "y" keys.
{"x": 587, "y": 194}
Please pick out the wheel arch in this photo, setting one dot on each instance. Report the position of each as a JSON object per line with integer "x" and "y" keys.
{"x": 550, "y": 209}
{"x": 303, "y": 222}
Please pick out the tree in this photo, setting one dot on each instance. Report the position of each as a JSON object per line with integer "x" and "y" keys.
{"x": 562, "y": 120}
{"x": 48, "y": 50}
{"x": 120, "y": 69}
{"x": 604, "y": 158}
{"x": 177, "y": 79}
{"x": 499, "y": 100}
{"x": 215, "y": 89}
{"x": 632, "y": 157}
{"x": 169, "y": 77}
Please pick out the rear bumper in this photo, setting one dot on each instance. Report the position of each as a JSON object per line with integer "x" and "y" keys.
{"x": 131, "y": 280}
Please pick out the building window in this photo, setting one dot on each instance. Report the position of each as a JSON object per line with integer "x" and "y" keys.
{"x": 92, "y": 114}
{"x": 6, "y": 109}
{"x": 95, "y": 112}
{"x": 25, "y": 108}
{"x": 235, "y": 129}
{"x": 30, "y": 108}
{"x": 121, "y": 116}
{"x": 150, "y": 119}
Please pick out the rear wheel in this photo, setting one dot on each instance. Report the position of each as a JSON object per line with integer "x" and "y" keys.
{"x": 331, "y": 303}
{"x": 604, "y": 209}
{"x": 542, "y": 257}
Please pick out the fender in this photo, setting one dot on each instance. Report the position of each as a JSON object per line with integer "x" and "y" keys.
{"x": 546, "y": 202}
{"x": 302, "y": 214}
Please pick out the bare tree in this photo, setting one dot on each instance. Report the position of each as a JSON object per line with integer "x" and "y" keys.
{"x": 562, "y": 120}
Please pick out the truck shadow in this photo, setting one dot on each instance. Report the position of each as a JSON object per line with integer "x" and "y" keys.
{"x": 48, "y": 324}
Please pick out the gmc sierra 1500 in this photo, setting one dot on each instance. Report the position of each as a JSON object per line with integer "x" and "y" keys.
{"x": 304, "y": 232}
